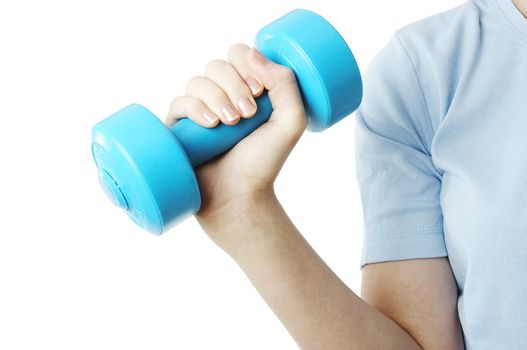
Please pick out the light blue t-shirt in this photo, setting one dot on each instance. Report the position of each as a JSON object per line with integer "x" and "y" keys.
{"x": 441, "y": 150}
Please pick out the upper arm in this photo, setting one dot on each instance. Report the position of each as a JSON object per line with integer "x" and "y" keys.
{"x": 406, "y": 274}
{"x": 420, "y": 295}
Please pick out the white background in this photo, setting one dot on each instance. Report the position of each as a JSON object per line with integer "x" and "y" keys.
{"x": 75, "y": 273}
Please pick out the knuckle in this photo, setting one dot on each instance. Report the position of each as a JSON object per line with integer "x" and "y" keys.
{"x": 175, "y": 102}
{"x": 285, "y": 74}
{"x": 193, "y": 105}
{"x": 236, "y": 50}
{"x": 192, "y": 82}
{"x": 175, "y": 106}
{"x": 214, "y": 65}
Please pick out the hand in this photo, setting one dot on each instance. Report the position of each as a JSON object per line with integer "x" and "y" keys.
{"x": 226, "y": 93}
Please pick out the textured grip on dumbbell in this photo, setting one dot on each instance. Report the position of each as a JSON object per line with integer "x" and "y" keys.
{"x": 202, "y": 144}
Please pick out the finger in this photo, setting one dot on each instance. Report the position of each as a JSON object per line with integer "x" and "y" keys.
{"x": 214, "y": 97}
{"x": 194, "y": 109}
{"x": 227, "y": 78}
{"x": 283, "y": 90}
{"x": 238, "y": 58}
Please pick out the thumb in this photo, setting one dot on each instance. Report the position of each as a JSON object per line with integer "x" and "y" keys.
{"x": 283, "y": 91}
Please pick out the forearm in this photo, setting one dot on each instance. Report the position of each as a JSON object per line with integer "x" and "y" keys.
{"x": 317, "y": 308}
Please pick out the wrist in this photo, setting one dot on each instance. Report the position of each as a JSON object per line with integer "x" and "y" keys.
{"x": 232, "y": 223}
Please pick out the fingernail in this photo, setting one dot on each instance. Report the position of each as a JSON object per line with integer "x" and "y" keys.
{"x": 253, "y": 85}
{"x": 209, "y": 118}
{"x": 230, "y": 114}
{"x": 258, "y": 57}
{"x": 245, "y": 106}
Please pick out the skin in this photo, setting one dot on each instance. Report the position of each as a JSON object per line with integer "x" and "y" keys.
{"x": 404, "y": 305}
{"x": 522, "y": 6}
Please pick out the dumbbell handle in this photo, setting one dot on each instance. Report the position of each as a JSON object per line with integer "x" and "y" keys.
{"x": 202, "y": 144}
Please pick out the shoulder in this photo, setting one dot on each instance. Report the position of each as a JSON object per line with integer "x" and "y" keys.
{"x": 435, "y": 52}
{"x": 443, "y": 31}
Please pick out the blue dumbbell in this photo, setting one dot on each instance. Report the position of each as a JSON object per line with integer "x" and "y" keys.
{"x": 146, "y": 168}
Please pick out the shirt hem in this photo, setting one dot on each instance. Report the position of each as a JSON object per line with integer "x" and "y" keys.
{"x": 410, "y": 246}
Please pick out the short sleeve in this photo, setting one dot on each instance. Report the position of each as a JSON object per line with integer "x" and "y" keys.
{"x": 399, "y": 184}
